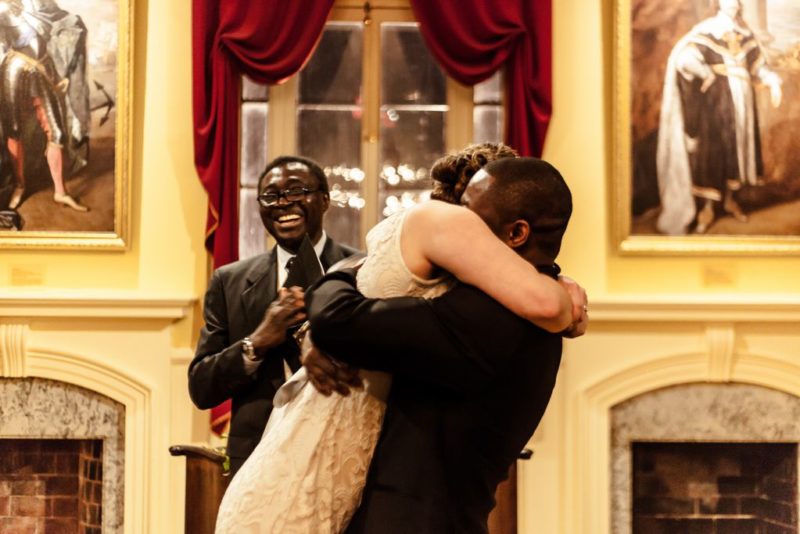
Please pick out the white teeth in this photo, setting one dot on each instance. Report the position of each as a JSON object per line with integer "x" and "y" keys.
{"x": 287, "y": 218}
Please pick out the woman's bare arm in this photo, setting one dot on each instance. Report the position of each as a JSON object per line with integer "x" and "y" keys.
{"x": 437, "y": 234}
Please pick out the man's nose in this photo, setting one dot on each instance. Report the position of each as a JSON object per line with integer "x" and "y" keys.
{"x": 282, "y": 200}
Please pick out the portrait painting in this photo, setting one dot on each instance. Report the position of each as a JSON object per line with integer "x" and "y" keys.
{"x": 64, "y": 123}
{"x": 707, "y": 125}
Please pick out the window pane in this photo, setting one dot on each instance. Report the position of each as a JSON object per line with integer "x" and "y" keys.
{"x": 490, "y": 91}
{"x": 252, "y": 160}
{"x": 410, "y": 74}
{"x": 254, "y": 91}
{"x": 413, "y": 108}
{"x": 329, "y": 124}
{"x": 333, "y": 74}
{"x": 332, "y": 138}
{"x": 487, "y": 122}
{"x": 487, "y": 114}
{"x": 410, "y": 142}
{"x": 252, "y": 236}
{"x": 253, "y": 142}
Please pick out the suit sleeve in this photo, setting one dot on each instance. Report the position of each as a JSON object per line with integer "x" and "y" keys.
{"x": 459, "y": 341}
{"x": 217, "y": 371}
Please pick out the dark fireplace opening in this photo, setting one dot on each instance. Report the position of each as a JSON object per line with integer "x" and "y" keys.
{"x": 51, "y": 485}
{"x": 714, "y": 488}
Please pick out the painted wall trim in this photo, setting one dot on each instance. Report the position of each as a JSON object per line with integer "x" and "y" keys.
{"x": 679, "y": 308}
{"x": 105, "y": 305}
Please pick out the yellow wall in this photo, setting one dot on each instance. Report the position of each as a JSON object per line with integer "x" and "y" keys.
{"x": 579, "y": 143}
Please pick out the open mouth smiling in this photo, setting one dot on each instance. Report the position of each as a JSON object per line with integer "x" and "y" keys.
{"x": 289, "y": 219}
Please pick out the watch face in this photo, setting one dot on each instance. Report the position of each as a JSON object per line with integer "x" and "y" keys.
{"x": 247, "y": 348}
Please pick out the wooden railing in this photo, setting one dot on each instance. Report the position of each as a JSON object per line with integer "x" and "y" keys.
{"x": 206, "y": 483}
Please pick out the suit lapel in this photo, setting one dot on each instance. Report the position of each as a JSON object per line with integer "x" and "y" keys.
{"x": 331, "y": 253}
{"x": 260, "y": 291}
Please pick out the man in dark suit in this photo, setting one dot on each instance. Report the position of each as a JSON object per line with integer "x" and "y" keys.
{"x": 471, "y": 379}
{"x": 244, "y": 353}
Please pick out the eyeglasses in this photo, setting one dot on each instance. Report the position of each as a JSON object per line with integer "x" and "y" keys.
{"x": 294, "y": 194}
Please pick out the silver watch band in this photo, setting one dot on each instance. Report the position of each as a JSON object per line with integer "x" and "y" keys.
{"x": 248, "y": 351}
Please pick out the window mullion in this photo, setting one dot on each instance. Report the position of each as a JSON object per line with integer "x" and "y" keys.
{"x": 282, "y": 127}
{"x": 458, "y": 119}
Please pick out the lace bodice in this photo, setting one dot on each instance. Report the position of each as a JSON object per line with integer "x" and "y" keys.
{"x": 385, "y": 274}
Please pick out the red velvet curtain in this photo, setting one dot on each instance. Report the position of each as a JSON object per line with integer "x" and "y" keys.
{"x": 471, "y": 39}
{"x": 268, "y": 40}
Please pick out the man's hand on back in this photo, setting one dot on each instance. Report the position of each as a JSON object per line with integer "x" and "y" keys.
{"x": 326, "y": 374}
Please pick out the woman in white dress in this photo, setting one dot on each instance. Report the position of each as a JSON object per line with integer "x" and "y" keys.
{"x": 308, "y": 472}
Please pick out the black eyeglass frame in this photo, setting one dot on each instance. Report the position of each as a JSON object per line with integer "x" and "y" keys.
{"x": 293, "y": 194}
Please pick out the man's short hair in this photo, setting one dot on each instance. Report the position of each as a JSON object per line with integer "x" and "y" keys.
{"x": 313, "y": 166}
{"x": 533, "y": 190}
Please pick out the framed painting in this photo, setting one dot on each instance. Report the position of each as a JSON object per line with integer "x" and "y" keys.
{"x": 706, "y": 126}
{"x": 65, "y": 118}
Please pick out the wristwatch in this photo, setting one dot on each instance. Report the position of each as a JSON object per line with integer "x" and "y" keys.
{"x": 248, "y": 351}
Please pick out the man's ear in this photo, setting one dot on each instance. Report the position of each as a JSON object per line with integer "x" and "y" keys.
{"x": 518, "y": 233}
{"x": 326, "y": 202}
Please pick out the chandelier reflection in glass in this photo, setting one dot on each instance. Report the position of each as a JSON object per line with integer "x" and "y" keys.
{"x": 408, "y": 186}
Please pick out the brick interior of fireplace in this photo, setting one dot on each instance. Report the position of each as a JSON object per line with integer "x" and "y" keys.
{"x": 715, "y": 488}
{"x": 51, "y": 486}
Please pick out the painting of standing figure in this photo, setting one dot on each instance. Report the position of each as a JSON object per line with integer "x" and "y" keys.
{"x": 711, "y": 151}
{"x": 63, "y": 167}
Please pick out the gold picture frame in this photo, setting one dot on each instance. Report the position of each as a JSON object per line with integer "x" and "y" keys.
{"x": 640, "y": 49}
{"x": 94, "y": 106}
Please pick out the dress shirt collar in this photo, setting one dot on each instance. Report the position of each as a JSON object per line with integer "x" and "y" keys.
{"x": 284, "y": 256}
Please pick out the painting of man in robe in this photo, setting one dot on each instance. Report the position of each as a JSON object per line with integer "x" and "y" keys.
{"x": 715, "y": 117}
{"x": 58, "y": 61}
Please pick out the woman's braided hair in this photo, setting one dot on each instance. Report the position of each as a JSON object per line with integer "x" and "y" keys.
{"x": 451, "y": 173}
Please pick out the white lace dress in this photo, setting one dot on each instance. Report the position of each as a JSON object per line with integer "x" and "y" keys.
{"x": 307, "y": 473}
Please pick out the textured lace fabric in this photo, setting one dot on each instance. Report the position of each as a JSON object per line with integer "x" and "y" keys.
{"x": 307, "y": 473}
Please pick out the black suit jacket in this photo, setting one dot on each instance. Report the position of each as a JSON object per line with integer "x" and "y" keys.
{"x": 471, "y": 383}
{"x": 235, "y": 302}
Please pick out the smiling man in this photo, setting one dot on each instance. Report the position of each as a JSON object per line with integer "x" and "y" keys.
{"x": 244, "y": 353}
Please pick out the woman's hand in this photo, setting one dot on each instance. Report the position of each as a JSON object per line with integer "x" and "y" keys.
{"x": 580, "y": 307}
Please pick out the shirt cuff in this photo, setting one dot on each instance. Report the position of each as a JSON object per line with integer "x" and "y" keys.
{"x": 250, "y": 366}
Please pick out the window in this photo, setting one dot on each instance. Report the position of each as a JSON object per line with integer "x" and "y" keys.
{"x": 374, "y": 108}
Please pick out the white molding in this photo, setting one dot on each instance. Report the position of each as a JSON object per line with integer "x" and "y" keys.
{"x": 105, "y": 305}
{"x": 13, "y": 340}
{"x": 684, "y": 308}
{"x": 135, "y": 394}
{"x": 721, "y": 340}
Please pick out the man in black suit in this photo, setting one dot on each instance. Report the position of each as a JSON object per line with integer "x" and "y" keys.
{"x": 244, "y": 353}
{"x": 471, "y": 379}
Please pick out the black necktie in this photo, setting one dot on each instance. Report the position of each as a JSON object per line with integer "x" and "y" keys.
{"x": 288, "y": 268}
{"x": 292, "y": 357}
